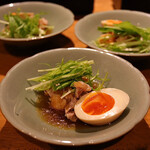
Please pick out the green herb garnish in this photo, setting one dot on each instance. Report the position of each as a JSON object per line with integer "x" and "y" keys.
{"x": 24, "y": 25}
{"x": 127, "y": 38}
{"x": 65, "y": 74}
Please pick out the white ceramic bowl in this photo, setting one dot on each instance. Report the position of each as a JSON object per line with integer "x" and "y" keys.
{"x": 87, "y": 28}
{"x": 58, "y": 16}
{"x": 24, "y": 116}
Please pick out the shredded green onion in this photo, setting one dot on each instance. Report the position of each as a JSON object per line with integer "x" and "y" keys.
{"x": 135, "y": 39}
{"x": 22, "y": 25}
{"x": 65, "y": 74}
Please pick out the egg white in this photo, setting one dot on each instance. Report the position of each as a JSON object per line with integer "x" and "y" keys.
{"x": 121, "y": 101}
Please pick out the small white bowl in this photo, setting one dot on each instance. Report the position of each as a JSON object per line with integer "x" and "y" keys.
{"x": 87, "y": 28}
{"x": 58, "y": 16}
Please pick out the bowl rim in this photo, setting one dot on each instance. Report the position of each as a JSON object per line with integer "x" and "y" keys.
{"x": 87, "y": 17}
{"x": 35, "y": 134}
{"x": 72, "y": 16}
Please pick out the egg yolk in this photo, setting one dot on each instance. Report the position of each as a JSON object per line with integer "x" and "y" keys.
{"x": 97, "y": 103}
{"x": 111, "y": 22}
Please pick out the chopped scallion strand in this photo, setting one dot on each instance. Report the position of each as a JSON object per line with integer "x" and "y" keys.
{"x": 4, "y": 22}
{"x": 67, "y": 93}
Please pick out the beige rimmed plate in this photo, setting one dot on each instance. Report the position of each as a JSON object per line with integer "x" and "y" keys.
{"x": 23, "y": 116}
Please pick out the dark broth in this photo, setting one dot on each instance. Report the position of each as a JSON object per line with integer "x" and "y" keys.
{"x": 54, "y": 117}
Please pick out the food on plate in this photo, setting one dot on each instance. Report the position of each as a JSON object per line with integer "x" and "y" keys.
{"x": 123, "y": 36}
{"x": 101, "y": 107}
{"x": 69, "y": 84}
{"x": 110, "y": 22}
{"x": 25, "y": 25}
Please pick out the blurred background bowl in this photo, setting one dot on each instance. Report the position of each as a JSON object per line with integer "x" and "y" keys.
{"x": 58, "y": 16}
{"x": 87, "y": 28}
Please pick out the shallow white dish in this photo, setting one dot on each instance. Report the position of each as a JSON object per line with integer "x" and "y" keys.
{"x": 58, "y": 16}
{"x": 86, "y": 28}
{"x": 23, "y": 116}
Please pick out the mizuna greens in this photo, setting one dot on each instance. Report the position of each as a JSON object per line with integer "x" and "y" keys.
{"x": 65, "y": 74}
{"x": 24, "y": 25}
{"x": 124, "y": 37}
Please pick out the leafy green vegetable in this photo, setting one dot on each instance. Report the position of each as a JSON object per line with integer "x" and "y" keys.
{"x": 22, "y": 25}
{"x": 125, "y": 37}
{"x": 113, "y": 29}
{"x": 65, "y": 74}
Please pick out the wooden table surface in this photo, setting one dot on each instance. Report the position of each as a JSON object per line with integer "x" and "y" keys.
{"x": 11, "y": 138}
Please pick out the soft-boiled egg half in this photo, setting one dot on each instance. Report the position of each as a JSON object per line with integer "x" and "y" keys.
{"x": 110, "y": 22}
{"x": 101, "y": 107}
